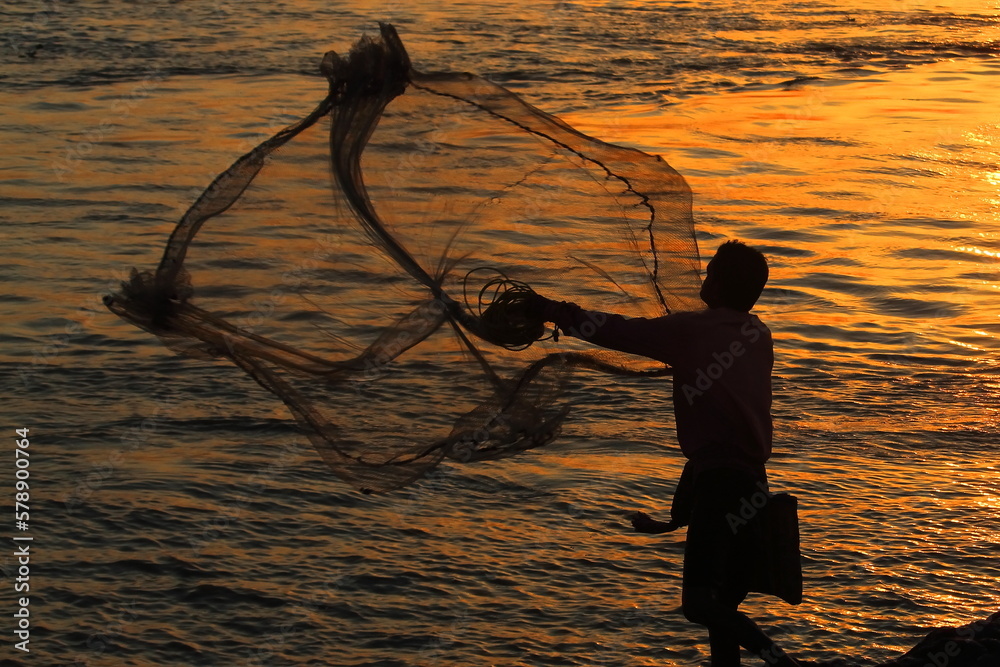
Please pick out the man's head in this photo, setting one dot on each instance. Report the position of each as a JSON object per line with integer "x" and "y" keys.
{"x": 735, "y": 277}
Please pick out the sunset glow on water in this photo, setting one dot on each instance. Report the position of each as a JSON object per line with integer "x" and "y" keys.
{"x": 180, "y": 518}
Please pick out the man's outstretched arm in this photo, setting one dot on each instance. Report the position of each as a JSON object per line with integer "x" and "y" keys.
{"x": 634, "y": 336}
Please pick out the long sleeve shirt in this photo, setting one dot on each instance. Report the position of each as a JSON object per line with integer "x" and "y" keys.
{"x": 722, "y": 360}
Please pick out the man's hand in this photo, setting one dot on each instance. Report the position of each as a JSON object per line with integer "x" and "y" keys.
{"x": 643, "y": 523}
{"x": 534, "y": 306}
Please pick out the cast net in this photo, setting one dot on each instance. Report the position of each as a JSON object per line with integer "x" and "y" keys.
{"x": 341, "y": 264}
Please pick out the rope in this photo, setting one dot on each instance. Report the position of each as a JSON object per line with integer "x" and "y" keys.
{"x": 502, "y": 307}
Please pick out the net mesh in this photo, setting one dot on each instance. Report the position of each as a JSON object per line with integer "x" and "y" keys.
{"x": 334, "y": 263}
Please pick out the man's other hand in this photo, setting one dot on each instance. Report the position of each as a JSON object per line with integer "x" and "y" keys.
{"x": 643, "y": 523}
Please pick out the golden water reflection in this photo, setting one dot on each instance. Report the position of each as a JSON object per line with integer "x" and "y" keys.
{"x": 882, "y": 229}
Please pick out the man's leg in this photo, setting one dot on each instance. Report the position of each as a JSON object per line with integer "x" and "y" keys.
{"x": 725, "y": 649}
{"x": 729, "y": 628}
{"x": 709, "y": 595}
{"x": 722, "y": 641}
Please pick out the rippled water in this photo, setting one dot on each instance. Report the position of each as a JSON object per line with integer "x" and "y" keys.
{"x": 178, "y": 517}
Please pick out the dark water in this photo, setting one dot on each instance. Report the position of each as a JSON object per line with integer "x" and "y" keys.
{"x": 179, "y": 519}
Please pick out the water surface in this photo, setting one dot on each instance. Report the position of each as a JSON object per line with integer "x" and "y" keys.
{"x": 180, "y": 519}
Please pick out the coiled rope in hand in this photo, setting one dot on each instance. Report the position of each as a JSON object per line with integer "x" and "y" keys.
{"x": 508, "y": 311}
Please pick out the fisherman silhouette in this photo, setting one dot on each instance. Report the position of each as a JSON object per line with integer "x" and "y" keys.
{"x": 721, "y": 358}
